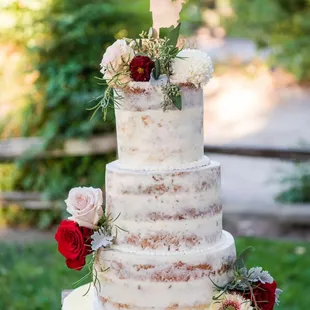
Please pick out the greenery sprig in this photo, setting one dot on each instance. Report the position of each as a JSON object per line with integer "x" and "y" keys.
{"x": 172, "y": 97}
{"x": 107, "y": 223}
{"x": 105, "y": 227}
{"x": 240, "y": 281}
{"x": 168, "y": 52}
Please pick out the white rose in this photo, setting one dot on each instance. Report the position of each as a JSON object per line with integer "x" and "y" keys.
{"x": 116, "y": 59}
{"x": 85, "y": 205}
{"x": 191, "y": 66}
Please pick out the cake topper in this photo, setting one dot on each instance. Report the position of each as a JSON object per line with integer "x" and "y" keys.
{"x": 165, "y": 13}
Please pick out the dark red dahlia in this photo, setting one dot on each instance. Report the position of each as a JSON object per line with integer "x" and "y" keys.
{"x": 140, "y": 68}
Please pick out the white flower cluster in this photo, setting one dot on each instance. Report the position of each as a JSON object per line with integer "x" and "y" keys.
{"x": 191, "y": 66}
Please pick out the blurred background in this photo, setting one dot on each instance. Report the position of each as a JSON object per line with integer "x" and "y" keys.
{"x": 257, "y": 116}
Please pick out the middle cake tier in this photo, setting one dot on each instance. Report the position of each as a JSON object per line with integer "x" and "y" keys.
{"x": 161, "y": 211}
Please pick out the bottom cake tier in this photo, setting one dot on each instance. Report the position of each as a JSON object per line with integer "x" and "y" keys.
{"x": 162, "y": 281}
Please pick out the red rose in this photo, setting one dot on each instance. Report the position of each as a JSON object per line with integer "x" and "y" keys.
{"x": 265, "y": 295}
{"x": 140, "y": 68}
{"x": 73, "y": 243}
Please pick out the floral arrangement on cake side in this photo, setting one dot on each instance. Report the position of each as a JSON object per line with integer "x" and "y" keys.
{"x": 249, "y": 289}
{"x": 87, "y": 229}
{"x": 148, "y": 59}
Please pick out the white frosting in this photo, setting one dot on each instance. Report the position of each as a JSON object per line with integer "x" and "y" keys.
{"x": 162, "y": 81}
{"x": 148, "y": 195}
{"x": 138, "y": 279}
{"x": 77, "y": 300}
{"x": 193, "y": 164}
{"x": 172, "y": 235}
{"x": 151, "y": 138}
{"x": 162, "y": 210}
{"x": 167, "y": 194}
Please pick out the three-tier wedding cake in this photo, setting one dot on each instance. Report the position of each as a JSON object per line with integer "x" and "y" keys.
{"x": 158, "y": 242}
{"x": 168, "y": 196}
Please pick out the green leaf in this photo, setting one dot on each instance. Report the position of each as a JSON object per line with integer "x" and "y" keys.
{"x": 163, "y": 31}
{"x": 173, "y": 35}
{"x": 241, "y": 259}
{"x": 177, "y": 101}
{"x": 156, "y": 70}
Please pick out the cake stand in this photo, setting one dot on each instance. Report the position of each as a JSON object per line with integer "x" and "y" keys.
{"x": 77, "y": 300}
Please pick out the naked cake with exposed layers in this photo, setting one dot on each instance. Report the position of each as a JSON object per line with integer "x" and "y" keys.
{"x": 168, "y": 196}
{"x": 158, "y": 242}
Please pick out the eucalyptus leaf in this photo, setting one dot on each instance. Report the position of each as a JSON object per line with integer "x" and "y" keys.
{"x": 173, "y": 35}
{"x": 177, "y": 101}
{"x": 163, "y": 31}
{"x": 156, "y": 70}
{"x": 242, "y": 257}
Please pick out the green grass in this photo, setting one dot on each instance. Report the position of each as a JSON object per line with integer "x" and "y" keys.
{"x": 32, "y": 276}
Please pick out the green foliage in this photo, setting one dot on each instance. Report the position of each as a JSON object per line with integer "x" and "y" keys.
{"x": 64, "y": 174}
{"x": 32, "y": 276}
{"x": 35, "y": 274}
{"x": 282, "y": 25}
{"x": 297, "y": 185}
{"x": 15, "y": 216}
{"x": 156, "y": 72}
{"x": 8, "y": 173}
{"x": 64, "y": 42}
{"x": 172, "y": 35}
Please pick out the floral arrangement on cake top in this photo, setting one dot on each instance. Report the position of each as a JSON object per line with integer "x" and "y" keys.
{"x": 87, "y": 229}
{"x": 148, "y": 59}
{"x": 249, "y": 289}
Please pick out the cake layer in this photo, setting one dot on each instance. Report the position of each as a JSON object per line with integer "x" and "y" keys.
{"x": 165, "y": 210}
{"x": 143, "y": 280}
{"x": 151, "y": 138}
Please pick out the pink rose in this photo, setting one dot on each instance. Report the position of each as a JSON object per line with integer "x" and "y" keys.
{"x": 85, "y": 205}
{"x": 115, "y": 61}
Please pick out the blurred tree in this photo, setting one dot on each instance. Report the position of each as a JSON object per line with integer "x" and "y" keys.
{"x": 61, "y": 43}
{"x": 64, "y": 41}
{"x": 282, "y": 25}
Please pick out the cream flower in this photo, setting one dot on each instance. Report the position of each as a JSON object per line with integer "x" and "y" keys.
{"x": 231, "y": 302}
{"x": 115, "y": 61}
{"x": 100, "y": 240}
{"x": 191, "y": 66}
{"x": 85, "y": 205}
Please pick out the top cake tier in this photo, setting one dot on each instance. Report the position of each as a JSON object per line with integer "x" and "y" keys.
{"x": 150, "y": 138}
